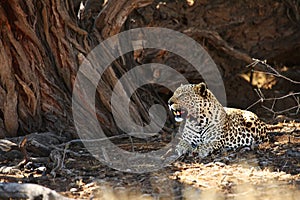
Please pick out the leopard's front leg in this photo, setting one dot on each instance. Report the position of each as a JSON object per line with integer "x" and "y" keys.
{"x": 205, "y": 149}
{"x": 184, "y": 147}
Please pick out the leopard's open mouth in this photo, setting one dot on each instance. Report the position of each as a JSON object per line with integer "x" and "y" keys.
{"x": 179, "y": 114}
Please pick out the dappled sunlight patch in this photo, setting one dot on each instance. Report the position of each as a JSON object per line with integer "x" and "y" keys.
{"x": 217, "y": 180}
{"x": 260, "y": 79}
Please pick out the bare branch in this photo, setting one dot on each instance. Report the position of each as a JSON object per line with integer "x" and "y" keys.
{"x": 273, "y": 71}
{"x": 275, "y": 99}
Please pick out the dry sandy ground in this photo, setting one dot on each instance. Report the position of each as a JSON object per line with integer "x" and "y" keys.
{"x": 272, "y": 171}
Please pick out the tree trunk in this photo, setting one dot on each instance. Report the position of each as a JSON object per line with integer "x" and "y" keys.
{"x": 37, "y": 63}
{"x": 44, "y": 42}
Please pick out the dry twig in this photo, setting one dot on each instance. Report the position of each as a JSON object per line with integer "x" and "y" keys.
{"x": 273, "y": 100}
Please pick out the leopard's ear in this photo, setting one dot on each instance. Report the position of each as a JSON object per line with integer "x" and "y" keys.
{"x": 201, "y": 89}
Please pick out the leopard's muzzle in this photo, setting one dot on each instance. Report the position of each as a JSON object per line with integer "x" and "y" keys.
{"x": 179, "y": 113}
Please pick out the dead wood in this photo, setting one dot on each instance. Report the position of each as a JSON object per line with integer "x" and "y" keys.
{"x": 27, "y": 191}
{"x": 232, "y": 33}
{"x": 219, "y": 43}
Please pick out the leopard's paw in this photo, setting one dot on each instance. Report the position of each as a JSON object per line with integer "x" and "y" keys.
{"x": 183, "y": 147}
{"x": 200, "y": 152}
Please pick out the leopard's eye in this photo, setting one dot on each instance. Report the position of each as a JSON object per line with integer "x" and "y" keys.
{"x": 179, "y": 96}
{"x": 182, "y": 95}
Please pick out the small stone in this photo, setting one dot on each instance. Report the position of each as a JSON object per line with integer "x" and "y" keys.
{"x": 220, "y": 164}
{"x": 263, "y": 163}
{"x": 73, "y": 190}
{"x": 41, "y": 169}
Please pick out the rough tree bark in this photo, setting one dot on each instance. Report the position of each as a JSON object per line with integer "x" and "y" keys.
{"x": 43, "y": 43}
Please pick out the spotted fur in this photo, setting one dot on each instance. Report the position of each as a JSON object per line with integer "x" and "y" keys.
{"x": 209, "y": 126}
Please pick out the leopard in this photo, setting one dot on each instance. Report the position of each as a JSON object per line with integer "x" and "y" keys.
{"x": 208, "y": 126}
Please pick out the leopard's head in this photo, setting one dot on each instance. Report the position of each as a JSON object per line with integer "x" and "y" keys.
{"x": 189, "y": 100}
